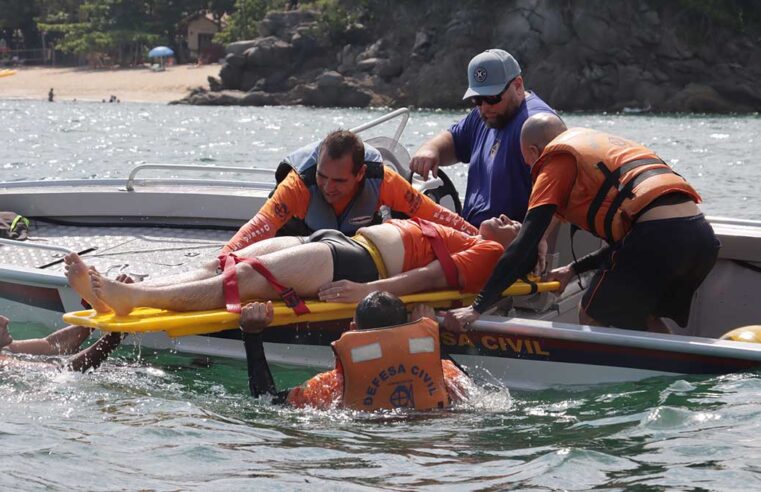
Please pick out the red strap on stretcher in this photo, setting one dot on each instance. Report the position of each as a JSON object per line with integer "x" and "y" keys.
{"x": 232, "y": 293}
{"x": 440, "y": 250}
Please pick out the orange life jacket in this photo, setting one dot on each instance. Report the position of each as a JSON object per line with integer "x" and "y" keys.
{"x": 397, "y": 367}
{"x": 616, "y": 179}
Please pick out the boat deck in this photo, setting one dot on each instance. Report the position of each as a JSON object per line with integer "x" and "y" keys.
{"x": 143, "y": 252}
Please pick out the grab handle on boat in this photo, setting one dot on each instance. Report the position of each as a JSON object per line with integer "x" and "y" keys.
{"x": 33, "y": 245}
{"x": 192, "y": 167}
{"x": 404, "y": 113}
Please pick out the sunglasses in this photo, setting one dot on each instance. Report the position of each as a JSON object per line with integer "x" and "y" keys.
{"x": 490, "y": 100}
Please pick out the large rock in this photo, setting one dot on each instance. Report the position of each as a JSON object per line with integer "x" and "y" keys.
{"x": 368, "y": 64}
{"x": 591, "y": 55}
{"x": 231, "y": 76}
{"x": 259, "y": 98}
{"x": 330, "y": 79}
{"x": 332, "y": 90}
{"x": 249, "y": 79}
{"x": 422, "y": 48}
{"x": 699, "y": 98}
{"x": 223, "y": 98}
{"x": 269, "y": 52}
{"x": 240, "y": 47}
{"x": 389, "y": 68}
{"x": 238, "y": 61}
{"x": 741, "y": 92}
{"x": 280, "y": 24}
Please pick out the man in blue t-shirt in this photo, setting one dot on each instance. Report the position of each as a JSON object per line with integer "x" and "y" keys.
{"x": 488, "y": 139}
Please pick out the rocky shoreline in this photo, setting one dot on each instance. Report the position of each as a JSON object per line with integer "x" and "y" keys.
{"x": 594, "y": 55}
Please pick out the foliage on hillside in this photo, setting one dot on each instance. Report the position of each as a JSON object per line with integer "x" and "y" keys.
{"x": 124, "y": 29}
{"x": 739, "y": 15}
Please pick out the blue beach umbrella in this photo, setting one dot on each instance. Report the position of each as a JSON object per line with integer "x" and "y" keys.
{"x": 160, "y": 52}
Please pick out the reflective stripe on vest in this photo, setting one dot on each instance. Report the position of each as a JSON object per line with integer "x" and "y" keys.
{"x": 320, "y": 214}
{"x": 397, "y": 367}
{"x": 616, "y": 178}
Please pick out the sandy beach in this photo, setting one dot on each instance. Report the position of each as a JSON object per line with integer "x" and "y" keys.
{"x": 128, "y": 84}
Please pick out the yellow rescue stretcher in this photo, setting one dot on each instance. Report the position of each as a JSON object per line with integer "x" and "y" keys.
{"x": 7, "y": 73}
{"x": 179, "y": 324}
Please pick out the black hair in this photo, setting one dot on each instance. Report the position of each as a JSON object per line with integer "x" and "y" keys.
{"x": 380, "y": 309}
{"x": 341, "y": 142}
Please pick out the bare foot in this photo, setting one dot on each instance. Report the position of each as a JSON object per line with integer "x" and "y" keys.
{"x": 79, "y": 280}
{"x": 118, "y": 296}
{"x": 5, "y": 337}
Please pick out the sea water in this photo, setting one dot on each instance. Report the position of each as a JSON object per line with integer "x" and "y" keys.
{"x": 163, "y": 421}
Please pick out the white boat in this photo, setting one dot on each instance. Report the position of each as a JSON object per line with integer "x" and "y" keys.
{"x": 150, "y": 227}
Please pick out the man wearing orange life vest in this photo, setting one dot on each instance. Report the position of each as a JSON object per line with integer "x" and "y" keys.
{"x": 339, "y": 183}
{"x": 383, "y": 362}
{"x": 660, "y": 247}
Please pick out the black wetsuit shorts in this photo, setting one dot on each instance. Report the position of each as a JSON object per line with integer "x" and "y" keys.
{"x": 351, "y": 261}
{"x": 654, "y": 271}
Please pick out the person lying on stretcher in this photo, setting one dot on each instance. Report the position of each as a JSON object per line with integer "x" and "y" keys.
{"x": 399, "y": 256}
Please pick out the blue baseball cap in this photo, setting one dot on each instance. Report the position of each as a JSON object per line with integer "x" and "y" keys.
{"x": 489, "y": 72}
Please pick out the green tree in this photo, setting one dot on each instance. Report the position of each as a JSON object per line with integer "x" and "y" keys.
{"x": 101, "y": 28}
{"x": 122, "y": 30}
{"x": 243, "y": 20}
{"x": 119, "y": 29}
{"x": 18, "y": 15}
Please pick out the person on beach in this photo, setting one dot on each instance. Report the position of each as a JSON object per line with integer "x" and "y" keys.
{"x": 660, "y": 247}
{"x": 51, "y": 95}
{"x": 400, "y": 256}
{"x": 339, "y": 183}
{"x": 63, "y": 342}
{"x": 488, "y": 139}
{"x": 375, "y": 369}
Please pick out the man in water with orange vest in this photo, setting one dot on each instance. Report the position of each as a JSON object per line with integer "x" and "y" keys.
{"x": 340, "y": 184}
{"x": 383, "y": 362}
{"x": 660, "y": 247}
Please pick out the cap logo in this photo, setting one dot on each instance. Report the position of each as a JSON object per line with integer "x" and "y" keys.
{"x": 480, "y": 74}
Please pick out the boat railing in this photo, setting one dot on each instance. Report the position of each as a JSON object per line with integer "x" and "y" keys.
{"x": 720, "y": 220}
{"x": 402, "y": 113}
{"x": 130, "y": 186}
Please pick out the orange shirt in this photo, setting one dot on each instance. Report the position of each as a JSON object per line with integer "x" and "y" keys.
{"x": 474, "y": 257}
{"x": 553, "y": 184}
{"x": 291, "y": 199}
{"x": 325, "y": 390}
